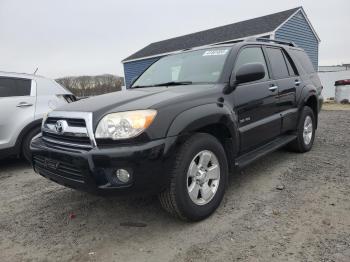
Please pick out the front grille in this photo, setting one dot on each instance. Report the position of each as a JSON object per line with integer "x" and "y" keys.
{"x": 73, "y": 135}
{"x": 69, "y": 139}
{"x": 59, "y": 168}
{"x": 71, "y": 121}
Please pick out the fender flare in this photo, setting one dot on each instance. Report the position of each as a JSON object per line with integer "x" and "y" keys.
{"x": 201, "y": 116}
{"x": 307, "y": 93}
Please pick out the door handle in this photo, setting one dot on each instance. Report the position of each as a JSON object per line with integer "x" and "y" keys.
{"x": 24, "y": 104}
{"x": 297, "y": 82}
{"x": 273, "y": 88}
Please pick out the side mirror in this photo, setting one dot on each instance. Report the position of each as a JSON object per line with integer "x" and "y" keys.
{"x": 250, "y": 72}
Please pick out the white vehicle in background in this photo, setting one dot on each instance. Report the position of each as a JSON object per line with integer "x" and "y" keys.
{"x": 24, "y": 100}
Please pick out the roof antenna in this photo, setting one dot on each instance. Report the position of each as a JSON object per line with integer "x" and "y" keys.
{"x": 36, "y": 70}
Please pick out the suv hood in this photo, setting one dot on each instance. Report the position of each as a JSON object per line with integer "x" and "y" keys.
{"x": 141, "y": 98}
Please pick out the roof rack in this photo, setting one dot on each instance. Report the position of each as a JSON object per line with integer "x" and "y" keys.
{"x": 249, "y": 39}
{"x": 281, "y": 42}
{"x": 214, "y": 44}
{"x": 228, "y": 42}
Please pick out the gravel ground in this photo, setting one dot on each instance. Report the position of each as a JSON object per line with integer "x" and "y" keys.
{"x": 284, "y": 207}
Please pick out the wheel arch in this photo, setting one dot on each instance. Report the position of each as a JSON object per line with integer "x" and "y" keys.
{"x": 312, "y": 102}
{"x": 35, "y": 124}
{"x": 214, "y": 119}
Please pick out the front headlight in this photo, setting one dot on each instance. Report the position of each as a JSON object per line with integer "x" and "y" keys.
{"x": 124, "y": 125}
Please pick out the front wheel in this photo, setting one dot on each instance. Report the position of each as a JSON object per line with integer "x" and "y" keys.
{"x": 198, "y": 179}
{"x": 305, "y": 132}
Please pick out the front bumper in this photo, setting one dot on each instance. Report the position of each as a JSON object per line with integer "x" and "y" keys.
{"x": 94, "y": 170}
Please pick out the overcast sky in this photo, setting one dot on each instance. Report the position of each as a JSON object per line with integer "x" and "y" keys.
{"x": 75, "y": 37}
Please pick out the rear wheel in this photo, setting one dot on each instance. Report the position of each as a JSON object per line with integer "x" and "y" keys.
{"x": 26, "y": 143}
{"x": 198, "y": 179}
{"x": 305, "y": 132}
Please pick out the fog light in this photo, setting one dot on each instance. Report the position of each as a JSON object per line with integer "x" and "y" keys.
{"x": 123, "y": 175}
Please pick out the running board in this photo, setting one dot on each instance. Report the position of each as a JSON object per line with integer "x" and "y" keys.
{"x": 250, "y": 157}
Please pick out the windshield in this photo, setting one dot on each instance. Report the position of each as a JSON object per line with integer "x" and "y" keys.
{"x": 201, "y": 66}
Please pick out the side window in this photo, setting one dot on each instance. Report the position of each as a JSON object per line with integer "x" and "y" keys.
{"x": 251, "y": 55}
{"x": 291, "y": 66}
{"x": 278, "y": 63}
{"x": 14, "y": 87}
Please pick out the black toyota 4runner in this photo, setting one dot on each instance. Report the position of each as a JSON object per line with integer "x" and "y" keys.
{"x": 188, "y": 121}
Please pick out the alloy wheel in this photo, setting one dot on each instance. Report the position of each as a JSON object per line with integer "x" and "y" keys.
{"x": 203, "y": 177}
{"x": 308, "y": 130}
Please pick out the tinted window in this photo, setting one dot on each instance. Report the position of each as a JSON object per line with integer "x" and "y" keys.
{"x": 278, "y": 64}
{"x": 304, "y": 61}
{"x": 291, "y": 67}
{"x": 251, "y": 55}
{"x": 14, "y": 87}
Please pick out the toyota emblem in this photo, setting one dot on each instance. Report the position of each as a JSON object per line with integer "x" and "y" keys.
{"x": 61, "y": 126}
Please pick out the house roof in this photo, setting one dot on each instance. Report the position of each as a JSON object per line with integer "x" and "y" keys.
{"x": 257, "y": 26}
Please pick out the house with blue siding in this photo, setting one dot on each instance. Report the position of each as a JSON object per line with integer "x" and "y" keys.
{"x": 290, "y": 25}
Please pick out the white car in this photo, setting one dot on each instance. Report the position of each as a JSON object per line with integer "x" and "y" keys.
{"x": 24, "y": 100}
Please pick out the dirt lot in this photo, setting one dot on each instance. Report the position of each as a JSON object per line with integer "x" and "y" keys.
{"x": 306, "y": 219}
{"x": 331, "y": 105}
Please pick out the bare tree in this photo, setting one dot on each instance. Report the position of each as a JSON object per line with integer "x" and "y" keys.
{"x": 92, "y": 85}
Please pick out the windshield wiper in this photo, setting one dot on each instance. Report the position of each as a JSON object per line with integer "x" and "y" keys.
{"x": 139, "y": 86}
{"x": 174, "y": 83}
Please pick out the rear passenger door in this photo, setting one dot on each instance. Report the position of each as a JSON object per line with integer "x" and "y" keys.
{"x": 256, "y": 103}
{"x": 285, "y": 74}
{"x": 17, "y": 106}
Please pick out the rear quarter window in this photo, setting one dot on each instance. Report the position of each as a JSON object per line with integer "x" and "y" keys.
{"x": 304, "y": 61}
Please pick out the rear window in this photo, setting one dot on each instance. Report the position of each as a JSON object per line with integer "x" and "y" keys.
{"x": 15, "y": 87}
{"x": 304, "y": 61}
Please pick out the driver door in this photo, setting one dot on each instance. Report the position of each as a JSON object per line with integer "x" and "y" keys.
{"x": 256, "y": 103}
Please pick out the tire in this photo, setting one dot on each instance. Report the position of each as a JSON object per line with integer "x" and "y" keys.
{"x": 303, "y": 144}
{"x": 176, "y": 198}
{"x": 26, "y": 143}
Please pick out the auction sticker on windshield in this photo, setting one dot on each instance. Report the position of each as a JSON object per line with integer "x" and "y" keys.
{"x": 215, "y": 52}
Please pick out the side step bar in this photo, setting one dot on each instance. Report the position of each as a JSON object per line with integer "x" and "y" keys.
{"x": 250, "y": 157}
